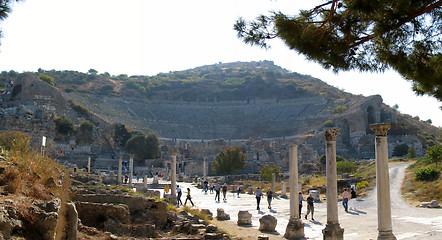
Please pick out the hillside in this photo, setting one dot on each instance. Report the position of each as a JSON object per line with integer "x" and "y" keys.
{"x": 231, "y": 101}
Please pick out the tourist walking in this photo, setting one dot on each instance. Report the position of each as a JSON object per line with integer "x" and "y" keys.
{"x": 300, "y": 199}
{"x": 206, "y": 186}
{"x": 188, "y": 197}
{"x": 217, "y": 190}
{"x": 345, "y": 197}
{"x": 269, "y": 198}
{"x": 310, "y": 206}
{"x": 225, "y": 192}
{"x": 353, "y": 198}
{"x": 258, "y": 195}
{"x": 179, "y": 193}
{"x": 211, "y": 188}
{"x": 238, "y": 191}
{"x": 166, "y": 190}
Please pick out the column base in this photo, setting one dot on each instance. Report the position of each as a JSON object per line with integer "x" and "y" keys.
{"x": 333, "y": 231}
{"x": 294, "y": 229}
{"x": 386, "y": 235}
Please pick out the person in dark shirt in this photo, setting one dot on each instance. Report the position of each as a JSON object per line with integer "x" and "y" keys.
{"x": 310, "y": 207}
{"x": 225, "y": 192}
{"x": 269, "y": 198}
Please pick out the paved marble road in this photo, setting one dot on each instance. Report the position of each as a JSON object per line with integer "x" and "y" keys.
{"x": 408, "y": 222}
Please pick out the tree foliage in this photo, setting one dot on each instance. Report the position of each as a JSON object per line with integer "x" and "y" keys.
{"x": 411, "y": 153}
{"x": 323, "y": 159}
{"x": 267, "y": 171}
{"x": 345, "y": 167}
{"x": 64, "y": 124}
{"x": 434, "y": 153}
{"x": 143, "y": 146}
{"x": 362, "y": 35}
{"x": 400, "y": 150}
{"x": 228, "y": 161}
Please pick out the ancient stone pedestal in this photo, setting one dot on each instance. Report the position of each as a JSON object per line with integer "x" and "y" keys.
{"x": 383, "y": 181}
{"x": 332, "y": 230}
{"x": 267, "y": 223}
{"x": 244, "y": 218}
{"x": 221, "y": 215}
{"x": 295, "y": 227}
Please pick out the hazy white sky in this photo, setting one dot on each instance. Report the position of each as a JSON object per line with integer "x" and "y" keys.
{"x": 146, "y": 37}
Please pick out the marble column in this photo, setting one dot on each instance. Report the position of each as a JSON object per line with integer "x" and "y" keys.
{"x": 295, "y": 227}
{"x": 382, "y": 181}
{"x": 332, "y": 230}
{"x": 173, "y": 178}
{"x": 120, "y": 170}
{"x": 145, "y": 181}
{"x": 131, "y": 168}
{"x": 273, "y": 182}
{"x": 204, "y": 169}
{"x": 89, "y": 164}
{"x": 283, "y": 190}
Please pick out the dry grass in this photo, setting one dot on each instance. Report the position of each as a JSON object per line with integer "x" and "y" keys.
{"x": 415, "y": 191}
{"x": 27, "y": 171}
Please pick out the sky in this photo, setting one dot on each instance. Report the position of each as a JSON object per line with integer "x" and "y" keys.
{"x": 147, "y": 37}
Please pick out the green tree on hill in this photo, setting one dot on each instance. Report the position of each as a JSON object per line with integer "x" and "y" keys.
{"x": 229, "y": 161}
{"x": 267, "y": 171}
{"x": 144, "y": 147}
{"x": 362, "y": 35}
{"x": 434, "y": 153}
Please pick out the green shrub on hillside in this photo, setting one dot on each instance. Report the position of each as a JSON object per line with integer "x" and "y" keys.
{"x": 328, "y": 123}
{"x": 49, "y": 80}
{"x": 340, "y": 109}
{"x": 64, "y": 124}
{"x": 428, "y": 173}
{"x": 86, "y": 125}
{"x": 80, "y": 109}
{"x": 361, "y": 185}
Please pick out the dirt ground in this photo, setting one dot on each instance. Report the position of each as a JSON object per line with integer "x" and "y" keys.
{"x": 244, "y": 233}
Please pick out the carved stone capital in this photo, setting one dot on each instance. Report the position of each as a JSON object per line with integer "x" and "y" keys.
{"x": 380, "y": 129}
{"x": 331, "y": 134}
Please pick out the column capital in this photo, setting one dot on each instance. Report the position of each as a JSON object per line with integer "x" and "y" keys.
{"x": 380, "y": 129}
{"x": 174, "y": 152}
{"x": 331, "y": 134}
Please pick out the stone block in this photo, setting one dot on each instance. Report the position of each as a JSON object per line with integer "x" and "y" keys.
{"x": 221, "y": 215}
{"x": 208, "y": 213}
{"x": 244, "y": 218}
{"x": 267, "y": 223}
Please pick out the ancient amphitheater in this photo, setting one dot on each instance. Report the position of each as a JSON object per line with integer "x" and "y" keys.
{"x": 230, "y": 120}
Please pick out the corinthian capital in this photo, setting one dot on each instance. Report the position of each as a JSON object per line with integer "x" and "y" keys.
{"x": 380, "y": 129}
{"x": 331, "y": 133}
